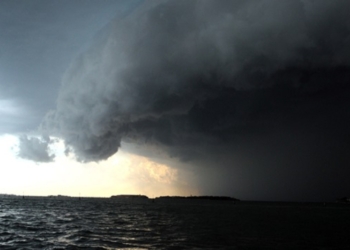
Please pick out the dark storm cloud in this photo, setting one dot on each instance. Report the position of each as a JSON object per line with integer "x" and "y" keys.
{"x": 36, "y": 149}
{"x": 179, "y": 73}
{"x": 203, "y": 79}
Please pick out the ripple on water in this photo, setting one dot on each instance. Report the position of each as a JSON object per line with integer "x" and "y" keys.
{"x": 106, "y": 224}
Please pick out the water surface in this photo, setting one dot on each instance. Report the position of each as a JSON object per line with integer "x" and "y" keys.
{"x": 52, "y": 223}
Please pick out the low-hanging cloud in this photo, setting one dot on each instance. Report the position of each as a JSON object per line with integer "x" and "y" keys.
{"x": 35, "y": 149}
{"x": 188, "y": 75}
{"x": 252, "y": 95}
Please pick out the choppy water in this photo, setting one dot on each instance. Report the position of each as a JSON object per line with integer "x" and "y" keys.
{"x": 108, "y": 224}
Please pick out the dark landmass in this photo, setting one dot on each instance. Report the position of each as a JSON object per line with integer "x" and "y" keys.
{"x": 59, "y": 196}
{"x": 344, "y": 200}
{"x": 217, "y": 198}
{"x": 132, "y": 197}
{"x": 173, "y": 198}
{"x": 8, "y": 195}
{"x": 129, "y": 196}
{"x": 144, "y": 197}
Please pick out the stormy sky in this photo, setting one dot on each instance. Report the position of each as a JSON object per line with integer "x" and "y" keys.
{"x": 251, "y": 96}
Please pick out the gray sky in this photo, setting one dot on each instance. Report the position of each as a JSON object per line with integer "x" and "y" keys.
{"x": 39, "y": 39}
{"x": 252, "y": 95}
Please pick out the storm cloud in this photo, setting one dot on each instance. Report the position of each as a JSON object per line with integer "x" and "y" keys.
{"x": 35, "y": 149}
{"x": 203, "y": 79}
{"x": 187, "y": 72}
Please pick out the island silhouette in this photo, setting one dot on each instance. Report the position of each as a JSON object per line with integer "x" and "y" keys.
{"x": 144, "y": 197}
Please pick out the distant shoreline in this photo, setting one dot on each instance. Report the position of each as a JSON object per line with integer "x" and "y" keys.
{"x": 144, "y": 197}
{"x": 205, "y": 197}
{"x": 133, "y": 197}
{"x": 126, "y": 197}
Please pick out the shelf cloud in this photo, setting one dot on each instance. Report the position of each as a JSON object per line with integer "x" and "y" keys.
{"x": 201, "y": 79}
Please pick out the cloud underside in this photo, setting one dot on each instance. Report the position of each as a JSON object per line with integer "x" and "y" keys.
{"x": 196, "y": 77}
{"x": 35, "y": 149}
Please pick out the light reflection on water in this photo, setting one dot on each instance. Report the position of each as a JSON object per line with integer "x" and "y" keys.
{"x": 108, "y": 224}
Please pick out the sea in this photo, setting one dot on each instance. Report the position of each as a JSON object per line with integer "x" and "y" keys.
{"x": 91, "y": 223}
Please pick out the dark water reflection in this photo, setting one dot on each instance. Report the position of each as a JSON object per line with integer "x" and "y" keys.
{"x": 108, "y": 224}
